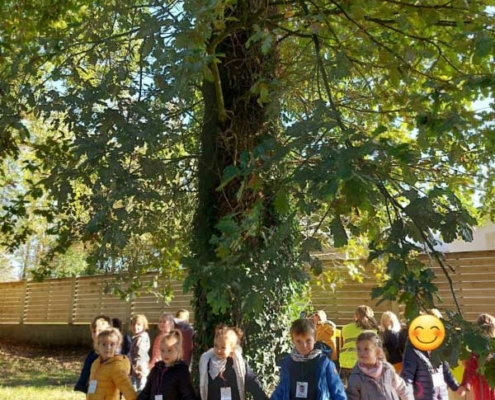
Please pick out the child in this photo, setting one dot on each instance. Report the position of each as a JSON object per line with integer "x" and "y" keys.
{"x": 427, "y": 382}
{"x": 327, "y": 333}
{"x": 472, "y": 380}
{"x": 223, "y": 373}
{"x": 169, "y": 379}
{"x": 165, "y": 325}
{"x": 182, "y": 315}
{"x": 307, "y": 373}
{"x": 364, "y": 319}
{"x": 390, "y": 328}
{"x": 187, "y": 338}
{"x": 109, "y": 372}
{"x": 372, "y": 377}
{"x": 98, "y": 324}
{"x": 140, "y": 347}
{"x": 126, "y": 339}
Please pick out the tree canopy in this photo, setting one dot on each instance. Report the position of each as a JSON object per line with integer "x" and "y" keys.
{"x": 234, "y": 139}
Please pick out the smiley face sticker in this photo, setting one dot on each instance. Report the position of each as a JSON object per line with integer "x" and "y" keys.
{"x": 426, "y": 332}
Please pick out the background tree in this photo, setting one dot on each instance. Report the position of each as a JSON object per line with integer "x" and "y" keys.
{"x": 241, "y": 136}
{"x": 7, "y": 273}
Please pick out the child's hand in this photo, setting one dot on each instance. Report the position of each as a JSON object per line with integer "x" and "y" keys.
{"x": 461, "y": 391}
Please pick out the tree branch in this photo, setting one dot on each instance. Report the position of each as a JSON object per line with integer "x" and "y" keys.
{"x": 381, "y": 187}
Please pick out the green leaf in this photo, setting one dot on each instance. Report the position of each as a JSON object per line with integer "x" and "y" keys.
{"x": 227, "y": 225}
{"x": 338, "y": 232}
{"x": 229, "y": 173}
{"x": 268, "y": 42}
{"x": 484, "y": 45}
{"x": 282, "y": 202}
{"x": 311, "y": 244}
{"x": 264, "y": 93}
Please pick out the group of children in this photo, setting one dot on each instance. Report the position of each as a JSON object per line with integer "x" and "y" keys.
{"x": 120, "y": 364}
{"x": 306, "y": 373}
{"x": 411, "y": 366}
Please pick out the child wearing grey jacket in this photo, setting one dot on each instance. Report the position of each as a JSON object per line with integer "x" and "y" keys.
{"x": 372, "y": 378}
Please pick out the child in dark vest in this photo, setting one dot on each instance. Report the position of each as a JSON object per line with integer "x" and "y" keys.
{"x": 169, "y": 378}
{"x": 389, "y": 331}
{"x": 223, "y": 372}
{"x": 428, "y": 382}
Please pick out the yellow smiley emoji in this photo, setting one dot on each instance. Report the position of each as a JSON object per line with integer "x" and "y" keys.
{"x": 426, "y": 332}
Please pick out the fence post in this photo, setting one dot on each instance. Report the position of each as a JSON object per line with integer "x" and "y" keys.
{"x": 457, "y": 282}
{"x": 129, "y": 309}
{"x": 73, "y": 300}
{"x": 26, "y": 301}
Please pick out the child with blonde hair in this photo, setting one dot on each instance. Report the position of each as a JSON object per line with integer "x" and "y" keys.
{"x": 165, "y": 325}
{"x": 139, "y": 354}
{"x": 327, "y": 333}
{"x": 390, "y": 328}
{"x": 372, "y": 377}
{"x": 364, "y": 319}
{"x": 223, "y": 372}
{"x": 169, "y": 379}
{"x": 98, "y": 324}
{"x": 109, "y": 376}
{"x": 182, "y": 314}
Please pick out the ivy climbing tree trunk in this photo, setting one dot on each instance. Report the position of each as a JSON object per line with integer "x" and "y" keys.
{"x": 236, "y": 221}
{"x": 206, "y": 216}
{"x": 232, "y": 122}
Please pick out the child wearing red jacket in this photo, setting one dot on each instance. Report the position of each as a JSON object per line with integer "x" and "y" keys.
{"x": 472, "y": 380}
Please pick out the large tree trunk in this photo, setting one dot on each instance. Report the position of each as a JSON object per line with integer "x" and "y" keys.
{"x": 222, "y": 143}
{"x": 207, "y": 215}
{"x": 260, "y": 277}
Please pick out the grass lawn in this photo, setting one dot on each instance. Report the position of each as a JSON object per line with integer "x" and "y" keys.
{"x": 39, "y": 374}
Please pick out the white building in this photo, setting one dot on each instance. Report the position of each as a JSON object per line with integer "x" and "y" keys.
{"x": 483, "y": 239}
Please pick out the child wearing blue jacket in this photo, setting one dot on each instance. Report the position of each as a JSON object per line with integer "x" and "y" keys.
{"x": 307, "y": 373}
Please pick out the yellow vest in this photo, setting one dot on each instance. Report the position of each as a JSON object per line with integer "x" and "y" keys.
{"x": 348, "y": 355}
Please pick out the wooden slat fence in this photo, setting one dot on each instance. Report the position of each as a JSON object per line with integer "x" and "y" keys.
{"x": 78, "y": 300}
{"x": 341, "y": 304}
{"x": 12, "y": 300}
{"x": 473, "y": 279}
{"x": 472, "y": 275}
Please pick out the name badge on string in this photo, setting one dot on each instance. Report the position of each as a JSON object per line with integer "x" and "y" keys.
{"x": 225, "y": 393}
{"x": 158, "y": 396}
{"x": 438, "y": 379}
{"x": 301, "y": 390}
{"x": 92, "y": 386}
